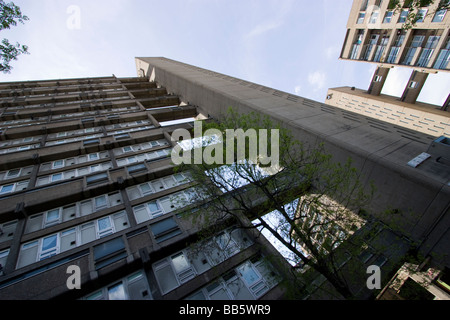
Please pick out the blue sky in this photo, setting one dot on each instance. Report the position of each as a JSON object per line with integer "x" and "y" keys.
{"x": 276, "y": 43}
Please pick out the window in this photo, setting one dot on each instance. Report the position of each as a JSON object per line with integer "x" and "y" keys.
{"x": 56, "y": 177}
{"x": 374, "y": 17}
{"x": 439, "y": 16}
{"x": 49, "y": 247}
{"x": 58, "y": 164}
{"x": 413, "y": 85}
{"x": 361, "y": 17}
{"x": 67, "y": 239}
{"x": 421, "y": 15}
{"x": 109, "y": 252}
{"x": 90, "y": 142}
{"x": 122, "y": 136}
{"x": 403, "y": 16}
{"x": 12, "y": 173}
{"x": 137, "y": 168}
{"x": 165, "y": 229}
{"x": 96, "y": 178}
{"x": 127, "y": 149}
{"x": 93, "y": 156}
{"x": 100, "y": 202}
{"x": 14, "y": 187}
{"x": 104, "y": 227}
{"x": 132, "y": 287}
{"x": 377, "y": 79}
{"x": 72, "y": 211}
{"x": 52, "y": 217}
{"x": 157, "y": 185}
{"x": 388, "y": 17}
{"x": 249, "y": 281}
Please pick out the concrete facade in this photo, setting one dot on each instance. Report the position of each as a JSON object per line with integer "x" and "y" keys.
{"x": 420, "y": 117}
{"x": 86, "y": 181}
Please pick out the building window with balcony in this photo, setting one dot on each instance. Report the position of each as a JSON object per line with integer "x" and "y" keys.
{"x": 14, "y": 187}
{"x": 132, "y": 287}
{"x": 416, "y": 43}
{"x": 65, "y": 240}
{"x": 427, "y": 51}
{"x": 442, "y": 61}
{"x": 248, "y": 281}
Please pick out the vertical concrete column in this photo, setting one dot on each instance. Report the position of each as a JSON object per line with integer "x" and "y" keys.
{"x": 10, "y": 265}
{"x": 378, "y": 80}
{"x": 414, "y": 86}
{"x": 446, "y": 105}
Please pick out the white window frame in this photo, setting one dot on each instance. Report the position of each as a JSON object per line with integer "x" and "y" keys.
{"x": 43, "y": 254}
{"x": 78, "y": 207}
{"x": 14, "y": 187}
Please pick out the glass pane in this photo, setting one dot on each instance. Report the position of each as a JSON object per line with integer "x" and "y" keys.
{"x": 248, "y": 274}
{"x": 52, "y": 216}
{"x": 179, "y": 262}
{"x": 100, "y": 202}
{"x": 49, "y": 242}
{"x": 56, "y": 177}
{"x": 166, "y": 279}
{"x": 153, "y": 207}
{"x": 117, "y": 292}
{"x": 160, "y": 229}
{"x": 145, "y": 188}
{"x": 58, "y": 163}
{"x": 104, "y": 223}
{"x": 93, "y": 157}
{"x": 13, "y": 173}
{"x": 6, "y": 189}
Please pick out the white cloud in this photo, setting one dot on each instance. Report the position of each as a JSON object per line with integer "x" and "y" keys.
{"x": 263, "y": 28}
{"x": 317, "y": 79}
{"x": 332, "y": 52}
{"x": 273, "y": 23}
{"x": 297, "y": 90}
